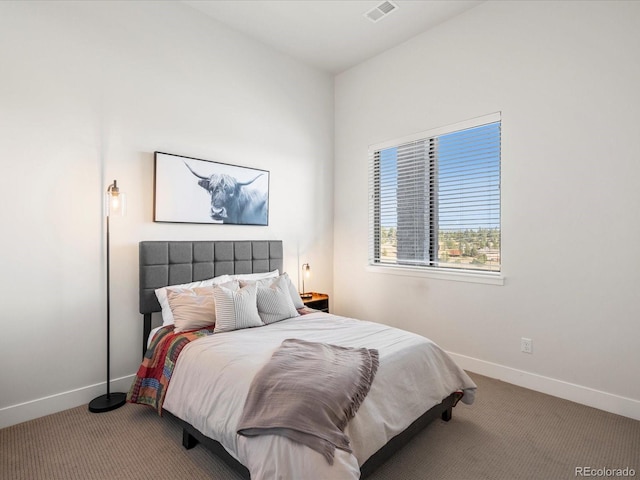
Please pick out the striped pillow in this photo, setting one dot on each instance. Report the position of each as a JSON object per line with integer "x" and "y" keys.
{"x": 274, "y": 301}
{"x": 236, "y": 309}
{"x": 266, "y": 282}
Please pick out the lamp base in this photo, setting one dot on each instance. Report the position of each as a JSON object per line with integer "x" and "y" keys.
{"x": 107, "y": 402}
{"x": 306, "y": 295}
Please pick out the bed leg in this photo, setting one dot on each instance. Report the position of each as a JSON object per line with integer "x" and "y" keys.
{"x": 188, "y": 440}
{"x": 146, "y": 331}
{"x": 447, "y": 414}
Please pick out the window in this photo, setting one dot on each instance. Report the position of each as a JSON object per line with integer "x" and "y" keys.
{"x": 435, "y": 199}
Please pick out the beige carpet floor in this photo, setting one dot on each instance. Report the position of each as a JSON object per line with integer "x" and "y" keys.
{"x": 509, "y": 433}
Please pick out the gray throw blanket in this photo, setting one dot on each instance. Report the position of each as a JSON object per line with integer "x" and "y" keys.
{"x": 308, "y": 392}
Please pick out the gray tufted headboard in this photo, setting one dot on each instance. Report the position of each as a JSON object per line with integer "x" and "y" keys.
{"x": 171, "y": 263}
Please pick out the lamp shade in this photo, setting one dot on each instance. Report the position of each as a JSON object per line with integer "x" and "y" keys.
{"x": 115, "y": 201}
{"x": 306, "y": 272}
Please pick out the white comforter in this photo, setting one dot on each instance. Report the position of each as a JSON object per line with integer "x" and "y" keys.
{"x": 212, "y": 377}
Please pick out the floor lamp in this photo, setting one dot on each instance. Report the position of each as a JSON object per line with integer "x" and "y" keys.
{"x": 115, "y": 204}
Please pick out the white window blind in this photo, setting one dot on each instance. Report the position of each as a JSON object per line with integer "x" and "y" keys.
{"x": 435, "y": 198}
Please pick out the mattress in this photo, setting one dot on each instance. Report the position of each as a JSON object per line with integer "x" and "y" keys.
{"x": 212, "y": 377}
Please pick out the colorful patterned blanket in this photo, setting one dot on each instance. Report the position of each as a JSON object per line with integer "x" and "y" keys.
{"x": 151, "y": 382}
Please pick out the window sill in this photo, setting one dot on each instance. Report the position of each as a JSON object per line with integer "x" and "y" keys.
{"x": 487, "y": 278}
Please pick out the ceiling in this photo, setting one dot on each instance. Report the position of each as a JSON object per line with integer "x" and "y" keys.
{"x": 331, "y": 35}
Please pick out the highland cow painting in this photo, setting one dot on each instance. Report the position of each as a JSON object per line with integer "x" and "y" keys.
{"x": 191, "y": 190}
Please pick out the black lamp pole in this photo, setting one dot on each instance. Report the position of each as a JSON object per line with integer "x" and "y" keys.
{"x": 110, "y": 401}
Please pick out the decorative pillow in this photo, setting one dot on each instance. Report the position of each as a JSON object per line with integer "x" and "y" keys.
{"x": 293, "y": 291}
{"x": 267, "y": 282}
{"x": 256, "y": 276}
{"x": 192, "y": 308}
{"x": 274, "y": 301}
{"x": 161, "y": 294}
{"x": 236, "y": 309}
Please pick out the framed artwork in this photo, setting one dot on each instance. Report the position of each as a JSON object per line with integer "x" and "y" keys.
{"x": 191, "y": 190}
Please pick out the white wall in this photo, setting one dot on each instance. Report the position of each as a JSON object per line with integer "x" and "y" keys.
{"x": 88, "y": 91}
{"x": 565, "y": 76}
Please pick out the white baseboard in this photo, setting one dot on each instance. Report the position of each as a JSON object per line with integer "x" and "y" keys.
{"x": 609, "y": 402}
{"x": 40, "y": 407}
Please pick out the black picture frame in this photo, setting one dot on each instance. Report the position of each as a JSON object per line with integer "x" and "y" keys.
{"x": 193, "y": 190}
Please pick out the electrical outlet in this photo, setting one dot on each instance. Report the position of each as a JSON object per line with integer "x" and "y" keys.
{"x": 526, "y": 345}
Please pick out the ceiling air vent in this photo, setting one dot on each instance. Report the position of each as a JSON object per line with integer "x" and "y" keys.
{"x": 378, "y": 13}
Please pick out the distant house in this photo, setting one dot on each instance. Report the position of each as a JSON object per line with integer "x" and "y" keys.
{"x": 493, "y": 254}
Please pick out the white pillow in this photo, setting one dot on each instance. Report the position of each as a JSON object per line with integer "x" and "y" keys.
{"x": 192, "y": 309}
{"x": 256, "y": 276}
{"x": 233, "y": 285}
{"x": 274, "y": 301}
{"x": 161, "y": 294}
{"x": 236, "y": 309}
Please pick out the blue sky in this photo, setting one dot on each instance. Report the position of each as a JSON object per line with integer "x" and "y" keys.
{"x": 468, "y": 176}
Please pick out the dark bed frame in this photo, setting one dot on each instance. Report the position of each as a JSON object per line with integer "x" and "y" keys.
{"x": 165, "y": 263}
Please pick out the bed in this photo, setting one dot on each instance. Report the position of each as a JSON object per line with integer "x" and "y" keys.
{"x": 415, "y": 383}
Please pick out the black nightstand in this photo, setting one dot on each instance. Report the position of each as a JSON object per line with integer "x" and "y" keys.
{"x": 318, "y": 301}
